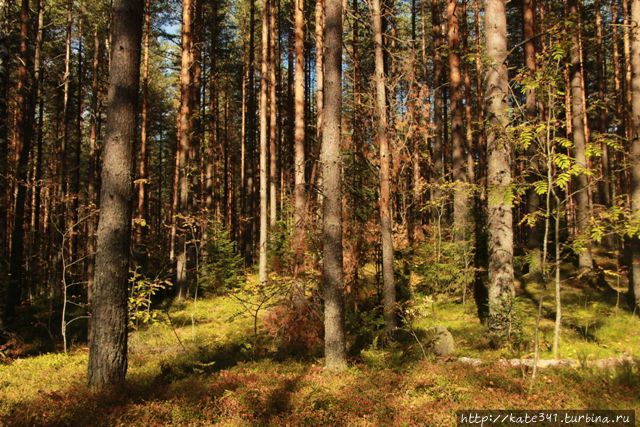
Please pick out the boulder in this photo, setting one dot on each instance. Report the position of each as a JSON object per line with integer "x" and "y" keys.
{"x": 442, "y": 343}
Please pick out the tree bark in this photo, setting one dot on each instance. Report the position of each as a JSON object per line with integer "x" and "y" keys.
{"x": 634, "y": 282}
{"x": 333, "y": 286}
{"x": 461, "y": 199}
{"x": 273, "y": 119}
{"x": 436, "y": 150}
{"x": 108, "y": 340}
{"x": 583, "y": 213}
{"x": 144, "y": 124}
{"x": 299, "y": 137}
{"x": 24, "y": 125}
{"x": 500, "y": 215}
{"x": 389, "y": 287}
{"x": 185, "y": 126}
{"x": 264, "y": 105}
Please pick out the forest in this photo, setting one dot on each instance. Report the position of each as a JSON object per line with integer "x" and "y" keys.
{"x": 296, "y": 212}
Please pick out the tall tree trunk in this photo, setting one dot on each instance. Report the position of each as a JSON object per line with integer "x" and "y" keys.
{"x": 634, "y": 282}
{"x": 24, "y": 125}
{"x": 144, "y": 124}
{"x": 603, "y": 117}
{"x": 461, "y": 205}
{"x": 108, "y": 340}
{"x": 264, "y": 105}
{"x": 389, "y": 287}
{"x": 92, "y": 187}
{"x": 185, "y": 124}
{"x": 5, "y": 74}
{"x": 500, "y": 215}
{"x": 436, "y": 154}
{"x": 583, "y": 213}
{"x": 273, "y": 118}
{"x": 333, "y": 286}
{"x": 531, "y": 110}
{"x": 299, "y": 137}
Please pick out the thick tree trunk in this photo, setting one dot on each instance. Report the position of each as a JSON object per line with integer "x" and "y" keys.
{"x": 583, "y": 213}
{"x": 185, "y": 125}
{"x": 108, "y": 340}
{"x": 605, "y": 183}
{"x": 500, "y": 216}
{"x": 333, "y": 286}
{"x": 634, "y": 282}
{"x": 389, "y": 287}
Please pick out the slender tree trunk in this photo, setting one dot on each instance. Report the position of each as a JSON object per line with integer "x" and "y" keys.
{"x": 24, "y": 125}
{"x": 92, "y": 187}
{"x": 108, "y": 340}
{"x": 603, "y": 118}
{"x": 634, "y": 282}
{"x": 437, "y": 155}
{"x": 583, "y": 213}
{"x": 273, "y": 119}
{"x": 500, "y": 215}
{"x": 299, "y": 138}
{"x": 185, "y": 124}
{"x": 333, "y": 286}
{"x": 5, "y": 74}
{"x": 144, "y": 124}
{"x": 385, "y": 187}
{"x": 461, "y": 199}
{"x": 531, "y": 110}
{"x": 264, "y": 105}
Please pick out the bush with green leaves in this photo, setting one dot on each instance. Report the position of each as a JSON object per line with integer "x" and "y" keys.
{"x": 141, "y": 292}
{"x": 222, "y": 267}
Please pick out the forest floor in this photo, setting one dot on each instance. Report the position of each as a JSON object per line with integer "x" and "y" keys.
{"x": 198, "y": 365}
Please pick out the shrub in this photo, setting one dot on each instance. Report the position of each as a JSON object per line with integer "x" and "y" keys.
{"x": 222, "y": 268}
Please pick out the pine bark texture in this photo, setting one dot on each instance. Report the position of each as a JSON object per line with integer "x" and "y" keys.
{"x": 500, "y": 215}
{"x": 333, "y": 285}
{"x": 108, "y": 338}
{"x": 634, "y": 283}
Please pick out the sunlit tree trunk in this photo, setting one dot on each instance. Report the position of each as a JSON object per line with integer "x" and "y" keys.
{"x": 299, "y": 136}
{"x": 500, "y": 215}
{"x": 634, "y": 282}
{"x": 273, "y": 119}
{"x": 461, "y": 199}
{"x": 333, "y": 286}
{"x": 389, "y": 287}
{"x": 144, "y": 124}
{"x": 264, "y": 139}
{"x": 579, "y": 140}
{"x": 185, "y": 123}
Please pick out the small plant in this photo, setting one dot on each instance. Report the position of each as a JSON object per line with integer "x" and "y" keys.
{"x": 141, "y": 292}
{"x": 222, "y": 268}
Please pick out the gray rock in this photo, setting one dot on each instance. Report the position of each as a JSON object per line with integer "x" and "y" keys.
{"x": 442, "y": 343}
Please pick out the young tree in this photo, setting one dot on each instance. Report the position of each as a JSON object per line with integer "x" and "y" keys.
{"x": 108, "y": 337}
{"x": 389, "y": 286}
{"x": 334, "y": 334}
{"x": 500, "y": 215}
